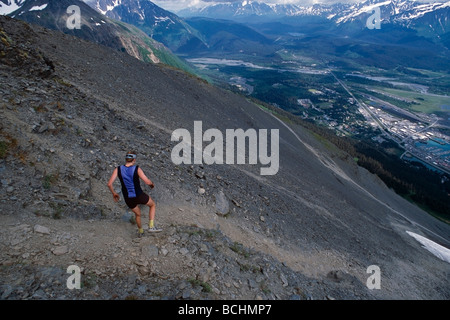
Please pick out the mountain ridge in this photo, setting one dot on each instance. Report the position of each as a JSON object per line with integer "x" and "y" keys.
{"x": 159, "y": 24}
{"x": 405, "y": 13}
{"x": 98, "y": 28}
{"x": 398, "y": 20}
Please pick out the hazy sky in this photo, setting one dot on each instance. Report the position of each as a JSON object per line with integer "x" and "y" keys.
{"x": 176, "y": 5}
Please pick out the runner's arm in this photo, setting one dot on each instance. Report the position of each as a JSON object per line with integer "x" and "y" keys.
{"x": 144, "y": 178}
{"x": 110, "y": 185}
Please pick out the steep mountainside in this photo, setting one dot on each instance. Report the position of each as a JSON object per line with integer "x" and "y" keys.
{"x": 71, "y": 109}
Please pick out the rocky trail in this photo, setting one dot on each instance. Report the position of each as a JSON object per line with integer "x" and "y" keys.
{"x": 185, "y": 261}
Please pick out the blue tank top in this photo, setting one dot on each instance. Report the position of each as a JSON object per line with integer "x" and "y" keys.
{"x": 129, "y": 178}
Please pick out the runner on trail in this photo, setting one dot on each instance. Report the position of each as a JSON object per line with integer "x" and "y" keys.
{"x": 129, "y": 175}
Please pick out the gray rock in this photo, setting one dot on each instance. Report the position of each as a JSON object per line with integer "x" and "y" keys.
{"x": 6, "y": 292}
{"x": 252, "y": 284}
{"x": 150, "y": 251}
{"x": 222, "y": 204}
{"x": 58, "y": 251}
{"x": 142, "y": 289}
{"x": 184, "y": 251}
{"x": 284, "y": 280}
{"x": 40, "y": 294}
{"x": 186, "y": 293}
{"x": 340, "y": 276}
{"x": 46, "y": 126}
{"x": 41, "y": 229}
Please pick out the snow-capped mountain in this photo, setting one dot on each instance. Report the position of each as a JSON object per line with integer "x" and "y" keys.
{"x": 434, "y": 16}
{"x": 8, "y": 6}
{"x": 391, "y": 10}
{"x": 53, "y": 14}
{"x": 134, "y": 10}
{"x": 103, "y": 6}
{"x": 431, "y": 19}
{"x": 236, "y": 10}
{"x": 388, "y": 8}
{"x": 94, "y": 27}
{"x": 157, "y": 21}
{"x": 160, "y": 24}
{"x": 394, "y": 11}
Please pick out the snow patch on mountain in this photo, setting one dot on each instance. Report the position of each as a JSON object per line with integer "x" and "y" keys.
{"x": 39, "y": 8}
{"x": 8, "y": 6}
{"x": 102, "y": 6}
{"x": 439, "y": 251}
{"x": 422, "y": 10}
{"x": 365, "y": 9}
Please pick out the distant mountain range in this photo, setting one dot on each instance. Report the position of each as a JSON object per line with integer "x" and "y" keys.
{"x": 405, "y": 12}
{"x": 246, "y": 26}
{"x": 159, "y": 22}
{"x": 406, "y": 18}
{"x": 394, "y": 10}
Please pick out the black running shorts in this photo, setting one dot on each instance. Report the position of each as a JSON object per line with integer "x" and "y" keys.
{"x": 140, "y": 199}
